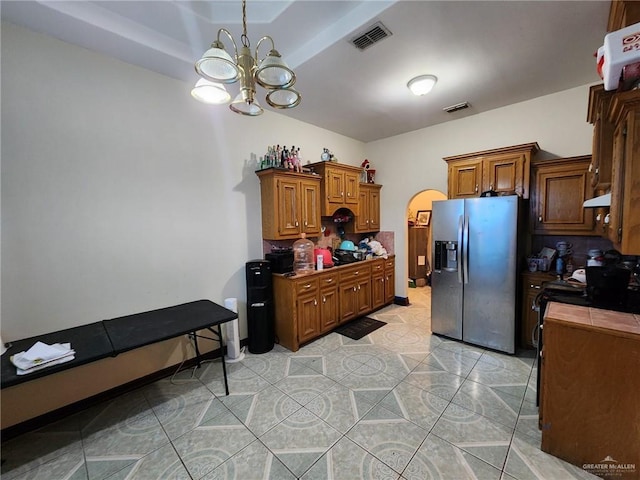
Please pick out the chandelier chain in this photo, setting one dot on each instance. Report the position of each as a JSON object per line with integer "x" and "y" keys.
{"x": 244, "y": 37}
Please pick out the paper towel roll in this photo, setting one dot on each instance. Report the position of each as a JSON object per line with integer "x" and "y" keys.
{"x": 231, "y": 333}
{"x": 231, "y": 304}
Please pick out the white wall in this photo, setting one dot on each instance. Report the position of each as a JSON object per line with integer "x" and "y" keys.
{"x": 409, "y": 163}
{"x": 120, "y": 193}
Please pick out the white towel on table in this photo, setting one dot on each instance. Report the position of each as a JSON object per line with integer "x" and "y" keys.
{"x": 41, "y": 356}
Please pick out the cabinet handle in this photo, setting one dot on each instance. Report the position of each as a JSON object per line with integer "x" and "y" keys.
{"x": 328, "y": 280}
{"x": 476, "y": 188}
{"x": 537, "y": 287}
{"x": 598, "y": 217}
{"x": 590, "y": 167}
{"x": 619, "y": 234}
{"x": 382, "y": 279}
{"x": 315, "y": 302}
{"x": 324, "y": 299}
{"x": 305, "y": 223}
{"x": 308, "y": 285}
{"x": 342, "y": 194}
{"x": 367, "y": 221}
{"x": 490, "y": 186}
{"x": 355, "y": 289}
{"x": 607, "y": 219}
{"x": 359, "y": 288}
{"x": 597, "y": 171}
{"x": 297, "y": 224}
{"x": 356, "y": 272}
{"x": 540, "y": 218}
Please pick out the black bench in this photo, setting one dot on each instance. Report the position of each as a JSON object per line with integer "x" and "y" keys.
{"x": 109, "y": 338}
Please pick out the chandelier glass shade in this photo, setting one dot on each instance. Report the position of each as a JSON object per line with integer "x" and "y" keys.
{"x": 210, "y": 92}
{"x": 216, "y": 66}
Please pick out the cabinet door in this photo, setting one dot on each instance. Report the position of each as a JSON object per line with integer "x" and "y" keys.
{"x": 377, "y": 290}
{"x": 364, "y": 296}
{"x": 288, "y": 206}
{"x": 504, "y": 174}
{"x": 334, "y": 186}
{"x": 362, "y": 219}
{"x": 310, "y": 200}
{"x": 329, "y": 308}
{"x": 351, "y": 188}
{"x": 465, "y": 178}
{"x": 561, "y": 187}
{"x": 374, "y": 210}
{"x": 348, "y": 301}
{"x": 308, "y": 316}
{"x": 389, "y": 286}
{"x": 624, "y": 225}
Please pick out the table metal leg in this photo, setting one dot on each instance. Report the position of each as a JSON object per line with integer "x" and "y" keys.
{"x": 224, "y": 366}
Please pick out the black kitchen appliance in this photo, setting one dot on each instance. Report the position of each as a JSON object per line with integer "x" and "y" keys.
{"x": 281, "y": 261}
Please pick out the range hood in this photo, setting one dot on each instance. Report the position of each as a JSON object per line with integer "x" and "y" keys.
{"x": 601, "y": 201}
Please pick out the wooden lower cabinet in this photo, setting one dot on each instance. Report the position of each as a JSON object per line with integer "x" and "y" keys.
{"x": 589, "y": 398}
{"x": 531, "y": 287}
{"x": 355, "y": 291}
{"x": 312, "y": 305}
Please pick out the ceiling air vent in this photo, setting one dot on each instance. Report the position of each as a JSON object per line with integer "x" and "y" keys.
{"x": 374, "y": 34}
{"x": 456, "y": 107}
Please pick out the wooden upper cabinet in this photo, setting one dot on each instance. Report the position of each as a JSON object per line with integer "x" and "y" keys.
{"x": 368, "y": 220}
{"x": 560, "y": 187}
{"x": 465, "y": 178}
{"x": 290, "y": 204}
{"x": 504, "y": 170}
{"x": 624, "y": 223}
{"x": 623, "y": 13}
{"x": 339, "y": 186}
{"x": 602, "y": 152}
{"x": 505, "y": 173}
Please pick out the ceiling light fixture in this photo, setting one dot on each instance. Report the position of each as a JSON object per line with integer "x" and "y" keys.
{"x": 422, "y": 84}
{"x": 217, "y": 68}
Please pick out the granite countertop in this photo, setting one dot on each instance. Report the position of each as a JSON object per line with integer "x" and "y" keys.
{"x": 617, "y": 323}
{"x": 334, "y": 268}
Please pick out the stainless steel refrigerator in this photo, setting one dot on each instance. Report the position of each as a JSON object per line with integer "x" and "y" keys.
{"x": 474, "y": 279}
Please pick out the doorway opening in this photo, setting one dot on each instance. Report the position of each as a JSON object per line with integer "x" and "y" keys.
{"x": 419, "y": 238}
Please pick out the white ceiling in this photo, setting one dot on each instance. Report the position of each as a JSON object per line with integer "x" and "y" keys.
{"x": 490, "y": 54}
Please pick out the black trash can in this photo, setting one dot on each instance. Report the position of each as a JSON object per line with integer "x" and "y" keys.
{"x": 260, "y": 321}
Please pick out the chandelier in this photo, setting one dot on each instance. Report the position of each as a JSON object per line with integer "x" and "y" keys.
{"x": 217, "y": 68}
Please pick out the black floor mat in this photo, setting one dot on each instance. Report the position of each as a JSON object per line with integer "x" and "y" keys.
{"x": 358, "y": 328}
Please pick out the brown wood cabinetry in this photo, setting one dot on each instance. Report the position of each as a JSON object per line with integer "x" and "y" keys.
{"x": 624, "y": 221}
{"x": 418, "y": 248}
{"x": 503, "y": 170}
{"x": 355, "y": 291}
{"x": 589, "y": 400}
{"x": 601, "y": 158}
{"x": 314, "y": 304}
{"x": 368, "y": 217}
{"x": 290, "y": 204}
{"x": 560, "y": 187}
{"x": 531, "y": 287}
{"x": 339, "y": 186}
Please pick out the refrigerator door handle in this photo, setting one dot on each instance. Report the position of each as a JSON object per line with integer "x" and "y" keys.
{"x": 460, "y": 246}
{"x": 465, "y": 249}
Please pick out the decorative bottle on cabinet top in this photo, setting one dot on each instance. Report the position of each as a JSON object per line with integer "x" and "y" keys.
{"x": 303, "y": 260}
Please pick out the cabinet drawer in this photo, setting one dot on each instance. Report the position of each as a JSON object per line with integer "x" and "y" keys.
{"x": 306, "y": 286}
{"x": 328, "y": 280}
{"x": 377, "y": 267}
{"x": 390, "y": 264}
{"x": 355, "y": 273}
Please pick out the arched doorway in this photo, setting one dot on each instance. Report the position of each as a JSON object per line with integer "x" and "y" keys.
{"x": 419, "y": 237}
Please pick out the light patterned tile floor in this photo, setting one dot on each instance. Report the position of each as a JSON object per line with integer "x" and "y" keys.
{"x": 398, "y": 404}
